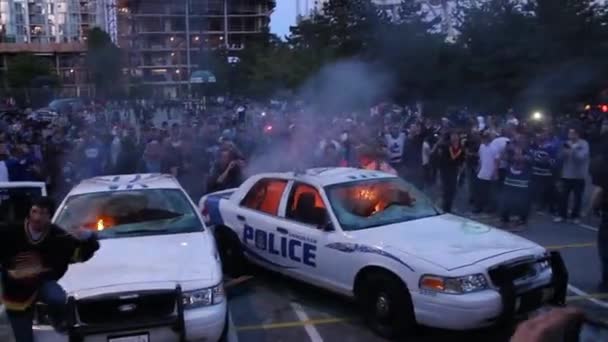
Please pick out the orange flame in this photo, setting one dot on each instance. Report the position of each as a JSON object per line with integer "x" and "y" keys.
{"x": 100, "y": 225}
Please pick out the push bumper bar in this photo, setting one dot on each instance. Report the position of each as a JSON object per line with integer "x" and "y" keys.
{"x": 515, "y": 304}
{"x": 78, "y": 332}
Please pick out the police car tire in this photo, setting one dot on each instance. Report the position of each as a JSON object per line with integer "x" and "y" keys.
{"x": 231, "y": 252}
{"x": 400, "y": 320}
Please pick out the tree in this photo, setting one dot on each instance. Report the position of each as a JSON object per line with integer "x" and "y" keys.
{"x": 410, "y": 48}
{"x": 571, "y": 36}
{"x": 27, "y": 72}
{"x": 353, "y": 25}
{"x": 104, "y": 62}
{"x": 502, "y": 57}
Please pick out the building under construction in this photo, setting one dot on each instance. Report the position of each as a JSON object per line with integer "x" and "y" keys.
{"x": 165, "y": 39}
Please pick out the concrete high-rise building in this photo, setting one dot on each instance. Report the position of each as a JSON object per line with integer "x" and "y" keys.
{"x": 50, "y": 21}
{"x": 167, "y": 41}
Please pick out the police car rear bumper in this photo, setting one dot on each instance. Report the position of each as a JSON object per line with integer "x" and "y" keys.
{"x": 491, "y": 307}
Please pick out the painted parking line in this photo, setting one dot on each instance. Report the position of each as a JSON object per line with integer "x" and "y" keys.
{"x": 310, "y": 329}
{"x": 294, "y": 324}
{"x": 587, "y": 296}
{"x": 232, "y": 335}
{"x": 336, "y": 320}
{"x": 572, "y": 245}
{"x": 584, "y": 297}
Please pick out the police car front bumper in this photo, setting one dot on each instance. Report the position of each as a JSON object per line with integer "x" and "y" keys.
{"x": 491, "y": 307}
{"x": 515, "y": 303}
{"x": 198, "y": 324}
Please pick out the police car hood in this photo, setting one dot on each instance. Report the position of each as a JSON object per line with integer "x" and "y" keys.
{"x": 145, "y": 262}
{"x": 447, "y": 241}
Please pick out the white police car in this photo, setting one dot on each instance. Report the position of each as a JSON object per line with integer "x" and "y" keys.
{"x": 157, "y": 275}
{"x": 374, "y": 237}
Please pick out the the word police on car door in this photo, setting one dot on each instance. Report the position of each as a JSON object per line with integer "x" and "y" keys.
{"x": 282, "y": 245}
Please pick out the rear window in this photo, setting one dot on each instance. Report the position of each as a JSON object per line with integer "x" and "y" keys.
{"x": 130, "y": 213}
{"x": 265, "y": 196}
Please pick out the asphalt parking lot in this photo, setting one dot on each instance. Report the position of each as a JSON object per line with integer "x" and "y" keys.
{"x": 269, "y": 307}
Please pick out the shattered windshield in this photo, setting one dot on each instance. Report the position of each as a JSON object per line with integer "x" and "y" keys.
{"x": 372, "y": 203}
{"x": 130, "y": 213}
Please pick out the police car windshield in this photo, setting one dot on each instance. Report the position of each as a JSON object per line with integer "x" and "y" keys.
{"x": 130, "y": 213}
{"x": 378, "y": 202}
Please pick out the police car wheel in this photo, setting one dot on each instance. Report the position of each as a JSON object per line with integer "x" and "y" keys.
{"x": 231, "y": 253}
{"x": 387, "y": 306}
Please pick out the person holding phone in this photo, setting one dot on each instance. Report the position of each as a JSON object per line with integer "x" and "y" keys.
{"x": 575, "y": 166}
{"x": 34, "y": 255}
{"x": 227, "y": 172}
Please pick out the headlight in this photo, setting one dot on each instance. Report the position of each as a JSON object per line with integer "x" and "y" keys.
{"x": 543, "y": 265}
{"x": 203, "y": 297}
{"x": 457, "y": 285}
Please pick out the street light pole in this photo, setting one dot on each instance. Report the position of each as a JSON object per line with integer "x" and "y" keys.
{"x": 188, "y": 47}
{"x": 226, "y": 23}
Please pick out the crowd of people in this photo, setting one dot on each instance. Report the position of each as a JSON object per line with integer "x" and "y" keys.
{"x": 509, "y": 164}
{"x": 506, "y": 165}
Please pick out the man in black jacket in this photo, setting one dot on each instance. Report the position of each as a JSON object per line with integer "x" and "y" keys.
{"x": 34, "y": 255}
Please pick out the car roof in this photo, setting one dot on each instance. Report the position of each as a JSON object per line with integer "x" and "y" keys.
{"x": 125, "y": 182}
{"x": 330, "y": 175}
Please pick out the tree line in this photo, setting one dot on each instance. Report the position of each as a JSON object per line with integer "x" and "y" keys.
{"x": 506, "y": 53}
{"x": 526, "y": 53}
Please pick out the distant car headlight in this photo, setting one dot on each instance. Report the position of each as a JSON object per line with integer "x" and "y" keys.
{"x": 454, "y": 285}
{"x": 203, "y": 297}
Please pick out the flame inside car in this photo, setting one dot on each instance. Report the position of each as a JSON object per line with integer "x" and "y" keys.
{"x": 100, "y": 225}
{"x": 367, "y": 194}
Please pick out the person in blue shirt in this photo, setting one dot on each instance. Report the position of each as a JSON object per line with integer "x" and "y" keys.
{"x": 544, "y": 152}
{"x": 515, "y": 195}
{"x": 23, "y": 166}
{"x": 92, "y": 156}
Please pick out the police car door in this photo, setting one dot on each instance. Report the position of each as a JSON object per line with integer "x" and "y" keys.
{"x": 261, "y": 237}
{"x": 305, "y": 216}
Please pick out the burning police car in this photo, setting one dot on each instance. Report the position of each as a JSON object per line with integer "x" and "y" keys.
{"x": 157, "y": 275}
{"x": 374, "y": 237}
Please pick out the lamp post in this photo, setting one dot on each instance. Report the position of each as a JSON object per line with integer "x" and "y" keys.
{"x": 188, "y": 67}
{"x": 232, "y": 61}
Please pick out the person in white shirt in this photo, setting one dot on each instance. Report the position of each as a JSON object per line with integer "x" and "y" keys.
{"x": 3, "y": 167}
{"x": 487, "y": 174}
{"x": 499, "y": 145}
{"x": 426, "y": 163}
{"x": 4, "y": 177}
{"x": 395, "y": 144}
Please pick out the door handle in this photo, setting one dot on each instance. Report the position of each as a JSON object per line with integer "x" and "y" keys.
{"x": 241, "y": 218}
{"x": 282, "y": 230}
